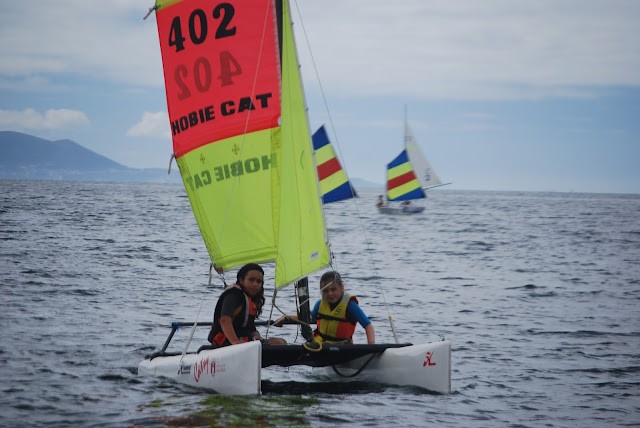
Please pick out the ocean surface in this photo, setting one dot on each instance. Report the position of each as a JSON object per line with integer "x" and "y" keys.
{"x": 538, "y": 292}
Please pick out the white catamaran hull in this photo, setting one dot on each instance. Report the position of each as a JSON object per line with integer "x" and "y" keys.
{"x": 236, "y": 370}
{"x": 426, "y": 366}
{"x": 231, "y": 370}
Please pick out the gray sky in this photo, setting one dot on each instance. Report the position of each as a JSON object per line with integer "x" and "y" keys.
{"x": 502, "y": 95}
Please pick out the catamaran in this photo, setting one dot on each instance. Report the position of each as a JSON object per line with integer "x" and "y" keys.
{"x": 409, "y": 175}
{"x": 241, "y": 140}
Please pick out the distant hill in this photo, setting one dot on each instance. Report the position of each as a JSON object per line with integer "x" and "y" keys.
{"x": 24, "y": 156}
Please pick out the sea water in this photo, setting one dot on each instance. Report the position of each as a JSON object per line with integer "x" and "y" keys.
{"x": 538, "y": 292}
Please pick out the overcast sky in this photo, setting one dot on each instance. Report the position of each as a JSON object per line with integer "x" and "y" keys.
{"x": 502, "y": 95}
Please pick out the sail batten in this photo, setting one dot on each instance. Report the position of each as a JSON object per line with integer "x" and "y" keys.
{"x": 240, "y": 133}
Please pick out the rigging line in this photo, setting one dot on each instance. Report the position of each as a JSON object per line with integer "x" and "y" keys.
{"x": 335, "y": 369}
{"x": 273, "y": 303}
{"x": 297, "y": 321}
{"x": 151, "y": 9}
{"x": 195, "y": 323}
{"x": 355, "y": 202}
{"x": 173, "y": 156}
{"x": 297, "y": 299}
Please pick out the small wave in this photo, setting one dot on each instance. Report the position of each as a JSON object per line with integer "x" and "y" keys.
{"x": 619, "y": 371}
{"x": 583, "y": 333}
{"x": 112, "y": 377}
{"x": 526, "y": 287}
{"x": 549, "y": 294}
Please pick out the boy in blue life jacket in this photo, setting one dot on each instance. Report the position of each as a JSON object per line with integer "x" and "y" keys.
{"x": 336, "y": 314}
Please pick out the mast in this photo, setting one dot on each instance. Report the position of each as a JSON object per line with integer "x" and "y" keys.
{"x": 406, "y": 127}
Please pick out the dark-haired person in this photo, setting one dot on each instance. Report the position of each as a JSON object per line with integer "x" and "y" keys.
{"x": 336, "y": 314}
{"x": 237, "y": 308}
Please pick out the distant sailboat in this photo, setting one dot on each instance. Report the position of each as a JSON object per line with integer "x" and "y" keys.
{"x": 408, "y": 176}
{"x": 334, "y": 183}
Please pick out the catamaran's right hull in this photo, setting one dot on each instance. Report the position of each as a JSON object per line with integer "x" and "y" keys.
{"x": 426, "y": 366}
{"x": 400, "y": 210}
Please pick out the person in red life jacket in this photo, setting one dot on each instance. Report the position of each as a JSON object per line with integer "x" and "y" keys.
{"x": 237, "y": 308}
{"x": 336, "y": 314}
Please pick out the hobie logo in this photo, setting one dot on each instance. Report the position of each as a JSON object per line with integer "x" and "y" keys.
{"x": 427, "y": 360}
{"x": 229, "y": 170}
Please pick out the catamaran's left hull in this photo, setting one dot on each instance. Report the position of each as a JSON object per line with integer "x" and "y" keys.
{"x": 231, "y": 370}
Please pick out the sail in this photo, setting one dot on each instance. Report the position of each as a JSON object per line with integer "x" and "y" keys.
{"x": 402, "y": 183}
{"x": 240, "y": 133}
{"x": 334, "y": 183}
{"x": 423, "y": 170}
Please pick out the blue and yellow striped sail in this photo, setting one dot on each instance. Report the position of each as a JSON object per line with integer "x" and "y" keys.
{"x": 334, "y": 183}
{"x": 402, "y": 182}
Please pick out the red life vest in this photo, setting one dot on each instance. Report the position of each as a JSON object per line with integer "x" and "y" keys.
{"x": 243, "y": 321}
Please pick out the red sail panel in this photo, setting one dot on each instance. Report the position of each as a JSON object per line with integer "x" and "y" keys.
{"x": 400, "y": 180}
{"x": 328, "y": 168}
{"x": 221, "y": 68}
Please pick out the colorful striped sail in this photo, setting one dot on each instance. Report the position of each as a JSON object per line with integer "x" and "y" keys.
{"x": 402, "y": 182}
{"x": 334, "y": 183}
{"x": 240, "y": 133}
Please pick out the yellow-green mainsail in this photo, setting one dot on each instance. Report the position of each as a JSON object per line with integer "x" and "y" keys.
{"x": 255, "y": 196}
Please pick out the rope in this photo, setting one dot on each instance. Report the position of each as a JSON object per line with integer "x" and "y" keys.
{"x": 357, "y": 372}
{"x": 355, "y": 201}
{"x": 173, "y": 156}
{"x": 151, "y": 9}
{"x": 273, "y": 301}
{"x": 317, "y": 346}
{"x": 195, "y": 323}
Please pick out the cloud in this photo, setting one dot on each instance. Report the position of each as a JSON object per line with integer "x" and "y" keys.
{"x": 493, "y": 49}
{"x": 151, "y": 125}
{"x": 80, "y": 38}
{"x": 29, "y": 119}
{"x": 467, "y": 49}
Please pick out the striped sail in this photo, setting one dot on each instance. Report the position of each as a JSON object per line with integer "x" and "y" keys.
{"x": 334, "y": 183}
{"x": 402, "y": 182}
{"x": 240, "y": 133}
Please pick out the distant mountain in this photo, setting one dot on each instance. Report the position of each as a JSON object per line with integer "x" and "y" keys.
{"x": 24, "y": 156}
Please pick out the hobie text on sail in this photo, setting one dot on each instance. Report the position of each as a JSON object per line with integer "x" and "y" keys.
{"x": 230, "y": 170}
{"x": 219, "y": 82}
{"x": 227, "y": 108}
